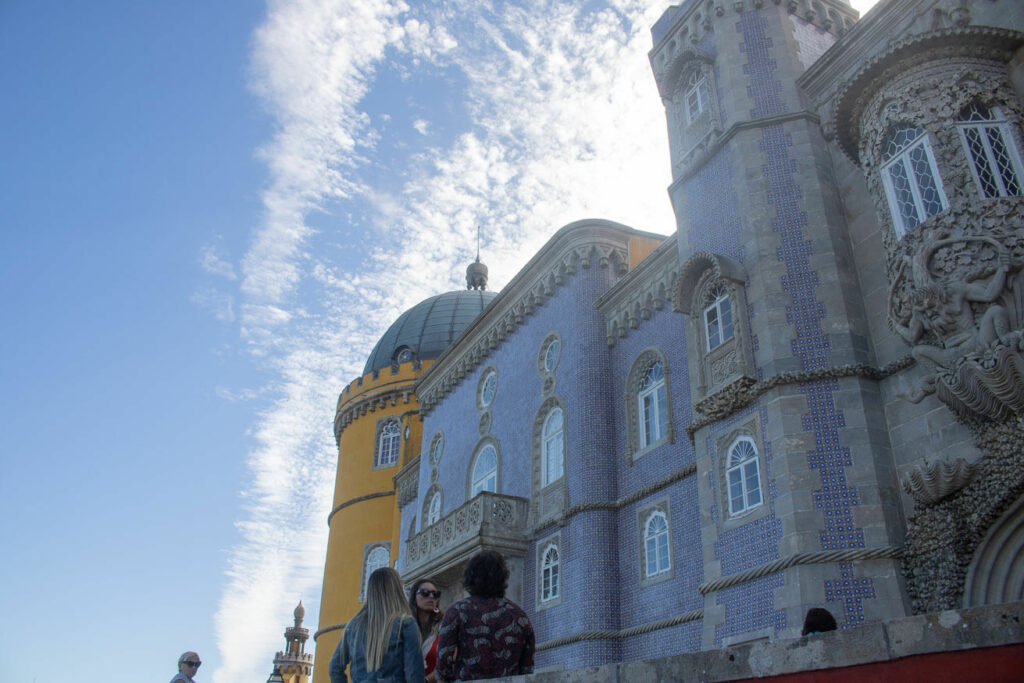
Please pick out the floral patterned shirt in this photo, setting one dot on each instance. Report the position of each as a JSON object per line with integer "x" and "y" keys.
{"x": 484, "y": 638}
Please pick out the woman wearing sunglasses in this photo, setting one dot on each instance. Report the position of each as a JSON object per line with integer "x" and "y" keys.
{"x": 381, "y": 642}
{"x": 425, "y": 601}
{"x": 188, "y": 665}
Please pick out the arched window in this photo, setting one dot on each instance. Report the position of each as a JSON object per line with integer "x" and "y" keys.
{"x": 653, "y": 409}
{"x": 696, "y": 96}
{"x": 434, "y": 511}
{"x": 911, "y": 178}
{"x": 549, "y": 574}
{"x": 375, "y": 559}
{"x": 995, "y": 162}
{"x": 488, "y": 386}
{"x": 485, "y": 471}
{"x": 656, "y": 553}
{"x": 387, "y": 444}
{"x": 553, "y": 447}
{"x": 718, "y": 327}
{"x": 743, "y": 476}
{"x": 551, "y": 352}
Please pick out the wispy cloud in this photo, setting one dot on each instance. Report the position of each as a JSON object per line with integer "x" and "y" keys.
{"x": 212, "y": 263}
{"x": 561, "y": 122}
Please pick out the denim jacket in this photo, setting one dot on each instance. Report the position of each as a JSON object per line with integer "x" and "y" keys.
{"x": 402, "y": 663}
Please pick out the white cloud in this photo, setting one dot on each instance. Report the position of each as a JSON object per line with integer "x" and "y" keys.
{"x": 220, "y": 304}
{"x": 214, "y": 264}
{"x": 421, "y": 126}
{"x": 565, "y": 123}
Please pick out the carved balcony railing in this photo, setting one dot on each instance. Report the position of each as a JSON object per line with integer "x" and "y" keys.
{"x": 489, "y": 520}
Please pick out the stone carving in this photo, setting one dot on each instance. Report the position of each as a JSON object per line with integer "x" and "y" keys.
{"x": 723, "y": 367}
{"x": 945, "y": 302}
{"x": 929, "y": 484}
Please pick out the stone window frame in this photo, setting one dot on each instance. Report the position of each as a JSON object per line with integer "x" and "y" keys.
{"x": 999, "y": 122}
{"x": 470, "y": 479}
{"x": 382, "y": 424}
{"x": 547, "y": 502}
{"x": 749, "y": 428}
{"x": 901, "y": 158}
{"x": 542, "y": 355}
{"x": 368, "y": 549}
{"x": 694, "y": 133}
{"x": 436, "y": 442}
{"x": 637, "y": 372}
{"x": 428, "y": 498}
{"x": 644, "y": 514}
{"x": 703, "y": 275}
{"x": 741, "y": 467}
{"x": 543, "y": 546}
{"x": 490, "y": 371}
{"x": 720, "y": 294}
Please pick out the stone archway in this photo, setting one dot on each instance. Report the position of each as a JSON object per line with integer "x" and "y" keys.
{"x": 996, "y": 572}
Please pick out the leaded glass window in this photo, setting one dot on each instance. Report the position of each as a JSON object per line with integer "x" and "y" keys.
{"x": 995, "y": 162}
{"x": 911, "y": 178}
{"x": 388, "y": 443}
{"x": 550, "y": 580}
{"x": 485, "y": 471}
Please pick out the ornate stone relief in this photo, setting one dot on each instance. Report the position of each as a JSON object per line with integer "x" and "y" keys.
{"x": 644, "y": 291}
{"x": 929, "y": 484}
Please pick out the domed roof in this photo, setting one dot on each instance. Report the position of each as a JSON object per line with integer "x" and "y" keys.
{"x": 428, "y": 328}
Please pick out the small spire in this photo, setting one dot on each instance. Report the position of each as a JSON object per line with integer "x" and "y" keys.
{"x": 476, "y": 272}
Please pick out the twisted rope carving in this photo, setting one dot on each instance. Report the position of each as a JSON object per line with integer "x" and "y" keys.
{"x": 611, "y": 634}
{"x": 744, "y": 396}
{"x": 685, "y": 472}
{"x": 820, "y": 557}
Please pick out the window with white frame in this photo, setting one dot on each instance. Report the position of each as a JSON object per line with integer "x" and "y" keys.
{"x": 485, "y": 471}
{"x": 553, "y": 447}
{"x": 434, "y": 510}
{"x": 995, "y": 162}
{"x": 718, "y": 327}
{"x": 488, "y": 387}
{"x": 652, "y": 406}
{"x": 656, "y": 553}
{"x": 388, "y": 443}
{"x": 696, "y": 96}
{"x": 550, "y": 580}
{"x": 743, "y": 476}
{"x": 375, "y": 559}
{"x": 911, "y": 178}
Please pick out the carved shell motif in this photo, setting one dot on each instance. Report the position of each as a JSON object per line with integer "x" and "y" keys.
{"x": 929, "y": 484}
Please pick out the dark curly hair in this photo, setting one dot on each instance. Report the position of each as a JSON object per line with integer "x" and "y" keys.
{"x": 486, "y": 575}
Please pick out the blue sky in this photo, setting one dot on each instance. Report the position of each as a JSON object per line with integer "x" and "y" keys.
{"x": 211, "y": 212}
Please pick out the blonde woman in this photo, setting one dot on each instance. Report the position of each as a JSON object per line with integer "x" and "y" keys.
{"x": 382, "y": 642}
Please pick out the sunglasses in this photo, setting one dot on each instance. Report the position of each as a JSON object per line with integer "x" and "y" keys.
{"x": 428, "y": 594}
{"x": 195, "y": 664}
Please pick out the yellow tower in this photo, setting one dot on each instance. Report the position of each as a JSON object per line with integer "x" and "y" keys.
{"x": 378, "y": 432}
{"x": 293, "y": 665}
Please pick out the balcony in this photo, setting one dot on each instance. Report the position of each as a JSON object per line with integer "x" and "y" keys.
{"x": 488, "y": 521}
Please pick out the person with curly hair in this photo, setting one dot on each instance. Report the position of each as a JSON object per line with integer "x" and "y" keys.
{"x": 485, "y": 635}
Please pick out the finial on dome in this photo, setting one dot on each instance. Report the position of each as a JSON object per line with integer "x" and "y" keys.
{"x": 476, "y": 272}
{"x": 300, "y": 613}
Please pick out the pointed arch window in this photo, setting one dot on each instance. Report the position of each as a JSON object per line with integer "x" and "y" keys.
{"x": 387, "y": 444}
{"x": 652, "y": 406}
{"x": 743, "y": 476}
{"x": 995, "y": 162}
{"x": 550, "y": 575}
{"x": 911, "y": 178}
{"x": 656, "y": 553}
{"x": 553, "y": 448}
{"x": 485, "y": 471}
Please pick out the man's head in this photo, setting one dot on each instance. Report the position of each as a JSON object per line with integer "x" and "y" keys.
{"x": 486, "y": 575}
{"x": 188, "y": 664}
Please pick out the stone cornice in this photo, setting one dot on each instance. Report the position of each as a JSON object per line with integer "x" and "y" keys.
{"x": 357, "y": 499}
{"x": 351, "y": 410}
{"x": 578, "y": 245}
{"x": 407, "y": 481}
{"x": 984, "y": 42}
{"x": 641, "y": 291}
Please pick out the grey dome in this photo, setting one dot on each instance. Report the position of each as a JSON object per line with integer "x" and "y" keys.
{"x": 429, "y": 327}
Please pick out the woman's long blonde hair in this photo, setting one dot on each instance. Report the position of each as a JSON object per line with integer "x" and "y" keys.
{"x": 384, "y": 604}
